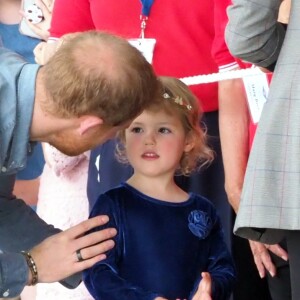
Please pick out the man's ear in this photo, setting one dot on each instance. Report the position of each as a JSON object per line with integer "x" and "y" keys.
{"x": 88, "y": 122}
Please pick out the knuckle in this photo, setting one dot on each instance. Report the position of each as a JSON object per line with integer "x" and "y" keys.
{"x": 86, "y": 226}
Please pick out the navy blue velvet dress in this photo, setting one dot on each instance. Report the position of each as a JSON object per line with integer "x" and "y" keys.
{"x": 161, "y": 248}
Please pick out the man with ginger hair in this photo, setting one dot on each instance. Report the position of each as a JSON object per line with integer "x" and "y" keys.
{"x": 93, "y": 85}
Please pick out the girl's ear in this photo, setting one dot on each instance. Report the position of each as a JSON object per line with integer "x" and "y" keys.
{"x": 87, "y": 122}
{"x": 189, "y": 142}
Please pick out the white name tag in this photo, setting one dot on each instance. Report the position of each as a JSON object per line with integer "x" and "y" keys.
{"x": 145, "y": 46}
{"x": 257, "y": 89}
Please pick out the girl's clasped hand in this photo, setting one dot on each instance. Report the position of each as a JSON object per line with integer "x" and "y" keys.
{"x": 204, "y": 289}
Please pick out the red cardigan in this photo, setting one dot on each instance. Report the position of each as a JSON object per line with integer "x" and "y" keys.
{"x": 189, "y": 34}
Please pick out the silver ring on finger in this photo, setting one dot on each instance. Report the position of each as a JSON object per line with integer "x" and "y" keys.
{"x": 79, "y": 256}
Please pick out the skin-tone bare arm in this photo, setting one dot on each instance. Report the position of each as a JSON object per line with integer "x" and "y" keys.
{"x": 234, "y": 122}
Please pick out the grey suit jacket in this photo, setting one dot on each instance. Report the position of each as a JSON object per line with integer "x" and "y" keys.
{"x": 270, "y": 201}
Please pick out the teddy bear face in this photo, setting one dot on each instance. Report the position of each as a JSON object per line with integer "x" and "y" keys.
{"x": 34, "y": 14}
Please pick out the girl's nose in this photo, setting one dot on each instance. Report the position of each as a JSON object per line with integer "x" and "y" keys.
{"x": 149, "y": 139}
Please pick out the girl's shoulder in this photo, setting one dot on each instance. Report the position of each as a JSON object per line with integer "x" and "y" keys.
{"x": 203, "y": 203}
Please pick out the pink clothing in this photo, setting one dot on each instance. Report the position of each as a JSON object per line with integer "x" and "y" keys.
{"x": 63, "y": 203}
{"x": 195, "y": 34}
{"x": 62, "y": 195}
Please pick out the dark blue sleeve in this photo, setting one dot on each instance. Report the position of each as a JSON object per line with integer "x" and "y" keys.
{"x": 220, "y": 264}
{"x": 103, "y": 280}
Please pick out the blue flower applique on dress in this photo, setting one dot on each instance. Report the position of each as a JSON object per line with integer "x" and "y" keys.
{"x": 200, "y": 224}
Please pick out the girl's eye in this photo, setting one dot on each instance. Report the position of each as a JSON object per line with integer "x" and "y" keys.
{"x": 136, "y": 129}
{"x": 164, "y": 130}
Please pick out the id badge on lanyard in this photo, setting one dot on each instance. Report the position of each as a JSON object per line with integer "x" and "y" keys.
{"x": 144, "y": 45}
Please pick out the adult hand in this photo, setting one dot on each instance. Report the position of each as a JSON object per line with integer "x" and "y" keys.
{"x": 45, "y": 50}
{"x": 263, "y": 259}
{"x": 56, "y": 256}
{"x": 204, "y": 289}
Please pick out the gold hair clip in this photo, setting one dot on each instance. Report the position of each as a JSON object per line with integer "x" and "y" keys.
{"x": 178, "y": 100}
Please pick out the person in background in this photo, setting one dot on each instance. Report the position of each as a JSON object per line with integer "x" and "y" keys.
{"x": 269, "y": 204}
{"x": 154, "y": 216}
{"x": 268, "y": 258}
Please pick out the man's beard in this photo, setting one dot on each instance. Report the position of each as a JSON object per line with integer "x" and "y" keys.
{"x": 69, "y": 145}
{"x": 72, "y": 144}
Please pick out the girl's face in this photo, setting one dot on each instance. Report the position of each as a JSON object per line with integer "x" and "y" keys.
{"x": 155, "y": 142}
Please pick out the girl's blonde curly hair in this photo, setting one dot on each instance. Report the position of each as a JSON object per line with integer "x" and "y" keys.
{"x": 177, "y": 99}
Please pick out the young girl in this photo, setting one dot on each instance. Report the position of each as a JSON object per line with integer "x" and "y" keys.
{"x": 170, "y": 244}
